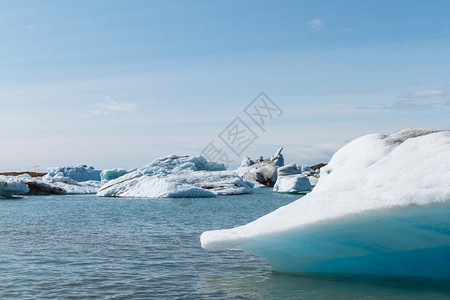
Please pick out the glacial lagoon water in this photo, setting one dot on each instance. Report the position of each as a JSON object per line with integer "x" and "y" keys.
{"x": 59, "y": 247}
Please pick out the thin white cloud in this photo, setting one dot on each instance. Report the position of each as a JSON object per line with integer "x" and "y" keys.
{"x": 111, "y": 106}
{"x": 414, "y": 101}
{"x": 316, "y": 24}
{"x": 427, "y": 94}
{"x": 407, "y": 105}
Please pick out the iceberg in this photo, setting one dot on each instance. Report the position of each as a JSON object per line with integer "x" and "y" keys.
{"x": 68, "y": 185}
{"x": 290, "y": 179}
{"x": 261, "y": 172}
{"x": 9, "y": 188}
{"x": 381, "y": 207}
{"x": 277, "y": 158}
{"x": 79, "y": 174}
{"x": 112, "y": 174}
{"x": 68, "y": 180}
{"x": 176, "y": 177}
{"x": 247, "y": 161}
{"x": 57, "y": 185}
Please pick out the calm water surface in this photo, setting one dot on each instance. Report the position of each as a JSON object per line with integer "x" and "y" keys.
{"x": 120, "y": 248}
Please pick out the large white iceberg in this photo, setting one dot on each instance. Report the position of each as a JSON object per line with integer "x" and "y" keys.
{"x": 175, "y": 177}
{"x": 381, "y": 206}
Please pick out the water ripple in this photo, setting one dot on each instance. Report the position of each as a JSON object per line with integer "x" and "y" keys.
{"x": 55, "y": 247}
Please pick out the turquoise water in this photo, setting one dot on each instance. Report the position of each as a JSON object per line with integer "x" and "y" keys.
{"x": 117, "y": 248}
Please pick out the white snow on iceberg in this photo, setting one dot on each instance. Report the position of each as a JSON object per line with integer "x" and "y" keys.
{"x": 381, "y": 206}
{"x": 175, "y": 177}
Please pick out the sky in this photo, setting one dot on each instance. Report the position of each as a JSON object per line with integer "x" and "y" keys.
{"x": 116, "y": 84}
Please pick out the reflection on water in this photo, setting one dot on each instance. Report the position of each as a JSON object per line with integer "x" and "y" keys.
{"x": 183, "y": 202}
{"x": 266, "y": 284}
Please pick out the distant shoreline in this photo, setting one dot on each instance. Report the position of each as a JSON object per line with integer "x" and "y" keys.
{"x": 32, "y": 174}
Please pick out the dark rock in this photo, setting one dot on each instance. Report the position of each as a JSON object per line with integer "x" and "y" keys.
{"x": 42, "y": 188}
{"x": 318, "y": 166}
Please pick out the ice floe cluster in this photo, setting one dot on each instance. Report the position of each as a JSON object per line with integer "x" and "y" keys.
{"x": 170, "y": 177}
{"x": 271, "y": 172}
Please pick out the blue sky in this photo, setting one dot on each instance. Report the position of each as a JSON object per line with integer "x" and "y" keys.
{"x": 119, "y": 83}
